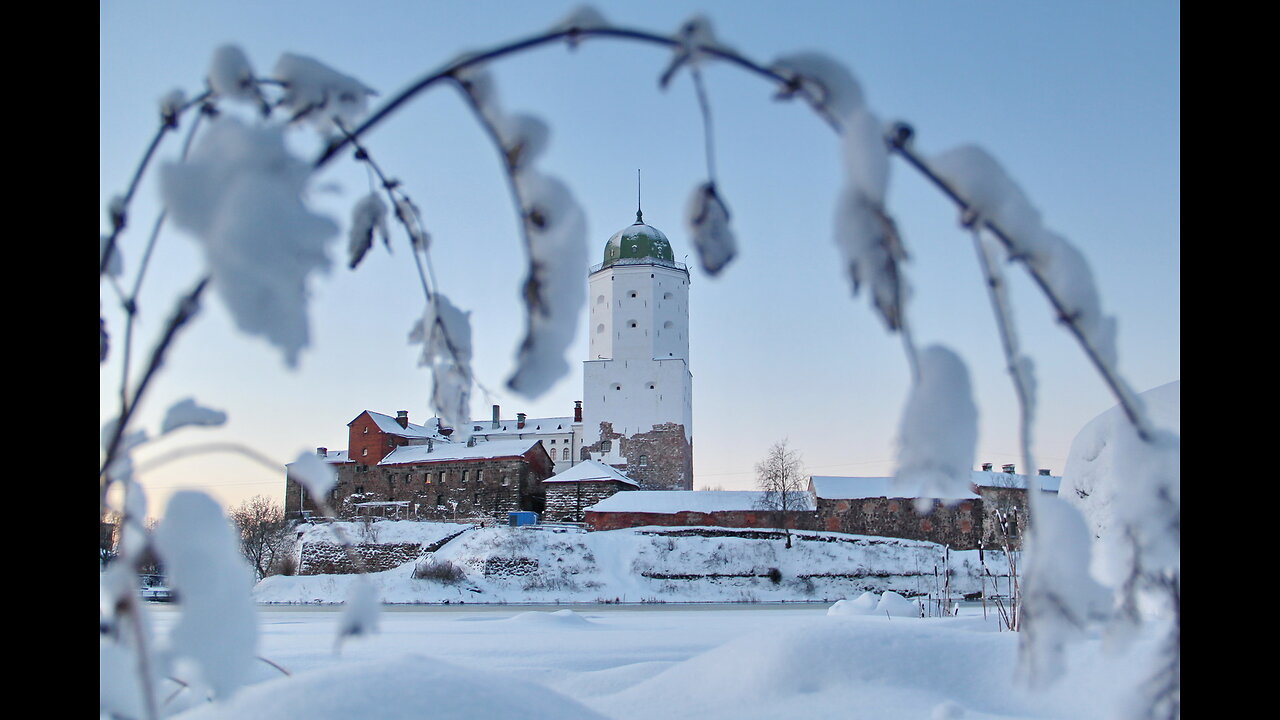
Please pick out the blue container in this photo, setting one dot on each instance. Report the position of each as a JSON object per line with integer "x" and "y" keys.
{"x": 524, "y": 517}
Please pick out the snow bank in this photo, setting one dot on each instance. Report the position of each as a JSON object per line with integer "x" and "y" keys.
{"x": 395, "y": 688}
{"x": 519, "y": 565}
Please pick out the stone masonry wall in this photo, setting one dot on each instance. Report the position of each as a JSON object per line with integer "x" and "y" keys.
{"x": 799, "y": 520}
{"x": 666, "y": 455}
{"x": 959, "y": 526}
{"x": 567, "y": 502}
{"x": 323, "y": 558}
{"x": 489, "y": 488}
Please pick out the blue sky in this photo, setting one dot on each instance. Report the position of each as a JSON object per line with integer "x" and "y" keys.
{"x": 1079, "y": 101}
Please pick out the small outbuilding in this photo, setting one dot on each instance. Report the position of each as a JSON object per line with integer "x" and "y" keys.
{"x": 569, "y": 494}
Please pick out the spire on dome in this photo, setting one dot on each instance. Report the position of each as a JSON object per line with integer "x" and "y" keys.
{"x": 639, "y": 215}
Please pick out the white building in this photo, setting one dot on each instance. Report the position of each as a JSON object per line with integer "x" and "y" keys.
{"x": 636, "y": 414}
{"x": 637, "y": 386}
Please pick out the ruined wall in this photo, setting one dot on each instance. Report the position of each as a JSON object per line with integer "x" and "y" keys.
{"x": 660, "y": 459}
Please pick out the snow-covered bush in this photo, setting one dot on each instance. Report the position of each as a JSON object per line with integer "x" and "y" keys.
{"x": 241, "y": 193}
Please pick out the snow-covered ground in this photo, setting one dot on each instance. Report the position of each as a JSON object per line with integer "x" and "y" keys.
{"x": 654, "y": 661}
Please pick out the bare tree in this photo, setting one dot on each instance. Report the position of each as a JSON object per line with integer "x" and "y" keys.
{"x": 263, "y": 532}
{"x": 780, "y": 476}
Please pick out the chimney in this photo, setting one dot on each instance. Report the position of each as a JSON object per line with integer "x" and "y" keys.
{"x": 440, "y": 428}
{"x": 1007, "y": 468}
{"x": 402, "y": 417}
{"x": 577, "y": 411}
{"x": 322, "y": 452}
{"x": 431, "y": 446}
{"x": 986, "y": 467}
{"x": 1044, "y": 472}
{"x": 520, "y": 421}
{"x": 496, "y": 411}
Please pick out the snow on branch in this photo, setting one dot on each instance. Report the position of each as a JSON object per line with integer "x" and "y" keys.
{"x": 445, "y": 335}
{"x": 317, "y": 93}
{"x": 708, "y": 221}
{"x": 231, "y": 75}
{"x": 554, "y": 293}
{"x": 217, "y": 627}
{"x": 187, "y": 412}
{"x": 865, "y": 233}
{"x": 241, "y": 196}
{"x": 368, "y": 217}
{"x": 828, "y": 86}
{"x": 993, "y": 197}
{"x": 554, "y": 231}
{"x": 583, "y": 17}
{"x": 939, "y": 430}
{"x": 694, "y": 35}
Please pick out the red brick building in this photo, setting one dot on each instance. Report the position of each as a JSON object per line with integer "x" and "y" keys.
{"x": 392, "y": 466}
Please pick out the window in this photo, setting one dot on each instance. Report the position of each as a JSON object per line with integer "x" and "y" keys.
{"x": 464, "y": 477}
{"x": 633, "y": 293}
{"x": 565, "y": 455}
{"x": 364, "y": 452}
{"x": 479, "y": 476}
{"x": 644, "y": 460}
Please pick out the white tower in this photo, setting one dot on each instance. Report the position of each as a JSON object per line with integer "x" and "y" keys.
{"x": 637, "y": 388}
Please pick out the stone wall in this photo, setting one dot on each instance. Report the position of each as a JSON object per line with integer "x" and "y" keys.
{"x": 568, "y": 501}
{"x": 324, "y": 558}
{"x": 660, "y": 459}
{"x": 962, "y": 526}
{"x": 1012, "y": 504}
{"x": 479, "y": 488}
{"x": 797, "y": 520}
{"x": 959, "y": 526}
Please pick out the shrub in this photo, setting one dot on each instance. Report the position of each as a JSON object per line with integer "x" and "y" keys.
{"x": 438, "y": 570}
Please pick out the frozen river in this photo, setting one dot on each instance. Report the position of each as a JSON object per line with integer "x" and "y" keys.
{"x": 618, "y": 661}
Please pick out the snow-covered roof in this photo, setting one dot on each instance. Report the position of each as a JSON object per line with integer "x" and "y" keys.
{"x": 853, "y": 488}
{"x": 991, "y": 478}
{"x": 336, "y": 456}
{"x": 674, "y": 501}
{"x": 591, "y": 471}
{"x": 390, "y": 426}
{"x": 532, "y": 426}
{"x": 443, "y": 452}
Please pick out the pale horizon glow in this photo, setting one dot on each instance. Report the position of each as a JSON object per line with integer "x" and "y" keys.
{"x": 1079, "y": 102}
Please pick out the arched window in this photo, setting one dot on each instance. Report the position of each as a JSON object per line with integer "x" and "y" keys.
{"x": 564, "y": 455}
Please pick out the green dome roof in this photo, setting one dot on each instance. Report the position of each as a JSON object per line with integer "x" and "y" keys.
{"x": 638, "y": 241}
